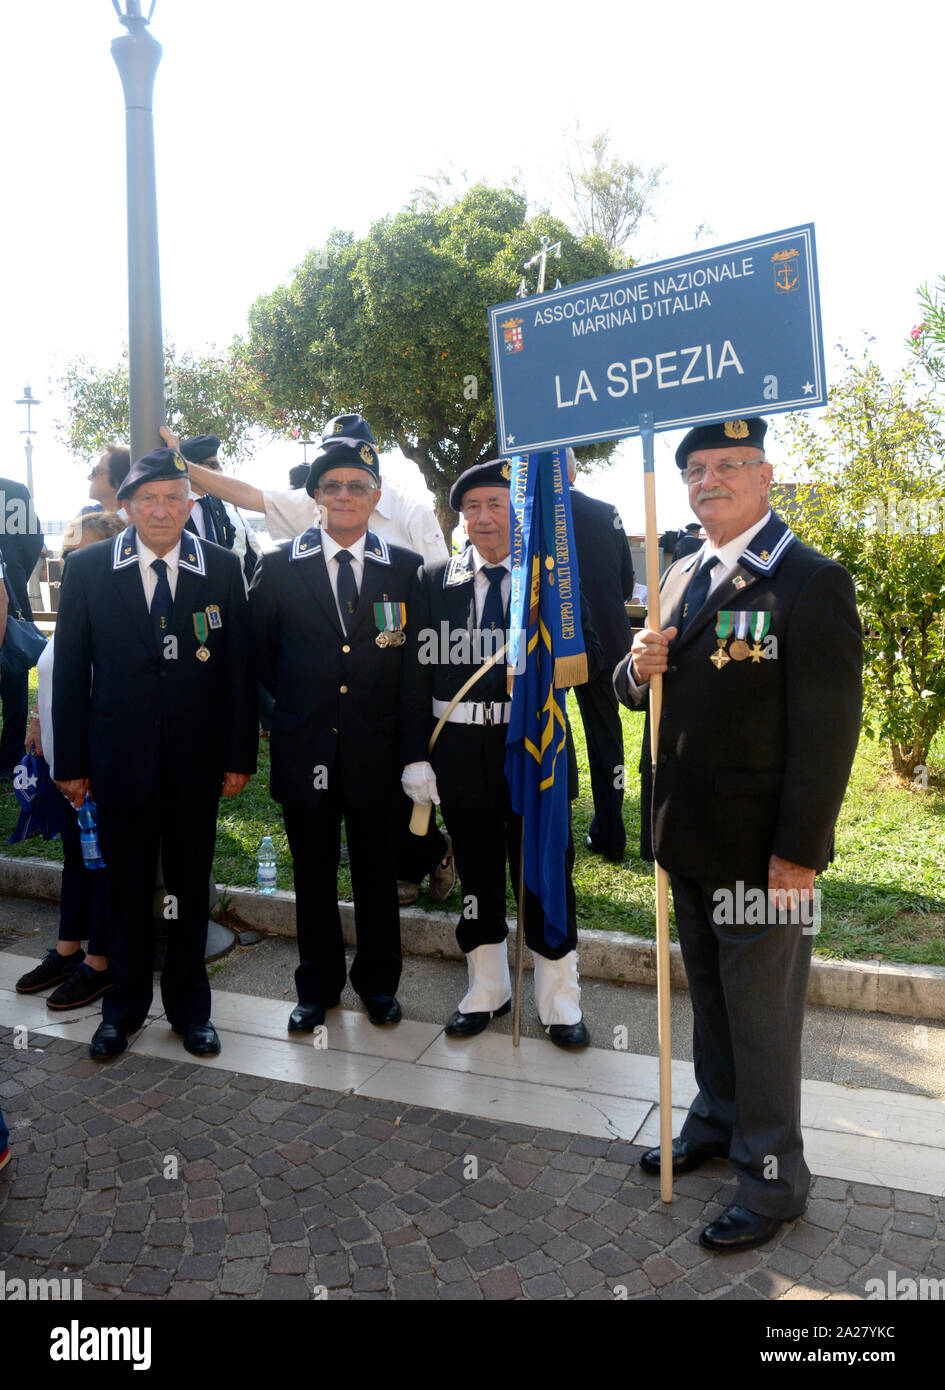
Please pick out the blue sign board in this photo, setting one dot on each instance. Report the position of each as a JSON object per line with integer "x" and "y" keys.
{"x": 730, "y": 331}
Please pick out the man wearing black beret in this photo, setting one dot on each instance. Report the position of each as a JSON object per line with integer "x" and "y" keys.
{"x": 464, "y": 617}
{"x": 154, "y": 715}
{"x": 761, "y": 661}
{"x": 331, "y": 612}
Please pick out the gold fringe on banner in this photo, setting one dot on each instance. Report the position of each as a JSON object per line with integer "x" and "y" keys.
{"x": 509, "y": 679}
{"x": 570, "y": 670}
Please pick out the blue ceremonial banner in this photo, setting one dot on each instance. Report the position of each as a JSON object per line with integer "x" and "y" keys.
{"x": 731, "y": 331}
{"x": 545, "y": 619}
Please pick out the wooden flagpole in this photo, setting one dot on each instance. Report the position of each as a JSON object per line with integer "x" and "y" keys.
{"x": 662, "y": 879}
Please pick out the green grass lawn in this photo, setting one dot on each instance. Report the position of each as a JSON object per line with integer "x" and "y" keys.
{"x": 882, "y": 897}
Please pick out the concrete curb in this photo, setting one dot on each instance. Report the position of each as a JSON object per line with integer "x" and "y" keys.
{"x": 909, "y": 991}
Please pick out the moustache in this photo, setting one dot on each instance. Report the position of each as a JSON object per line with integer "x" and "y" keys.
{"x": 706, "y": 495}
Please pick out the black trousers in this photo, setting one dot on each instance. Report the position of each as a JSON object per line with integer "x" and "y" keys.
{"x": 600, "y": 714}
{"x": 14, "y": 697}
{"x": 748, "y": 985}
{"x": 482, "y": 843}
{"x": 129, "y": 839}
{"x": 315, "y": 841}
{"x": 83, "y": 897}
{"x": 418, "y": 855}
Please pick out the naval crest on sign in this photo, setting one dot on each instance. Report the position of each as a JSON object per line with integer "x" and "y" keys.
{"x": 785, "y": 266}
{"x": 513, "y": 335}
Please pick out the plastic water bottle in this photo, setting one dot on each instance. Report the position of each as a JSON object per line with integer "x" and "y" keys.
{"x": 88, "y": 834}
{"x": 266, "y": 867}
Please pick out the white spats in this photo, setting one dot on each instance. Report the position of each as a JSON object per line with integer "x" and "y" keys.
{"x": 490, "y": 984}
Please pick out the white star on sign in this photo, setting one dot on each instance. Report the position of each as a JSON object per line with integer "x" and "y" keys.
{"x": 808, "y": 388}
{"x": 32, "y": 781}
{"x": 511, "y": 439}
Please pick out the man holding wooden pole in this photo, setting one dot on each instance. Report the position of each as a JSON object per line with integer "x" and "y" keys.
{"x": 761, "y": 663}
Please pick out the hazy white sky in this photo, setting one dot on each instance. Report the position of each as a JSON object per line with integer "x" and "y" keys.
{"x": 275, "y": 123}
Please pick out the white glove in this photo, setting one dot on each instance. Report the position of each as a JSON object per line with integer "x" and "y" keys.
{"x": 419, "y": 782}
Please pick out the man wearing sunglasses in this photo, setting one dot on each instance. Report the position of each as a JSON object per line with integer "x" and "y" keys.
{"x": 761, "y": 658}
{"x": 331, "y": 612}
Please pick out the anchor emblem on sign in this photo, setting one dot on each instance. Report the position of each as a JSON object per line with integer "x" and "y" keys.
{"x": 785, "y": 266}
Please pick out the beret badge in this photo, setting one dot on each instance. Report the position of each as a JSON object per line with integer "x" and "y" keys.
{"x": 367, "y": 454}
{"x": 735, "y": 429}
{"x": 506, "y": 470}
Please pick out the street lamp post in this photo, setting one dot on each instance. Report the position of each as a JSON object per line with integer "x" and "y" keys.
{"x": 137, "y": 56}
{"x": 29, "y": 400}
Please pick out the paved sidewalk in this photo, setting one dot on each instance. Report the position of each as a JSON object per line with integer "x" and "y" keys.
{"x": 285, "y": 1192}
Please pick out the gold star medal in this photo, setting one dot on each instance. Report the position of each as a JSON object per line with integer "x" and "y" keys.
{"x": 723, "y": 630}
{"x": 760, "y": 623}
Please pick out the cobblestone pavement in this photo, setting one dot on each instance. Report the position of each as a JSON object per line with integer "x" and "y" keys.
{"x": 284, "y": 1193}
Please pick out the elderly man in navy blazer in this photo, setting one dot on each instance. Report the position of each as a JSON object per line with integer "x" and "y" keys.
{"x": 331, "y": 612}
{"x": 761, "y": 660}
{"x": 154, "y": 714}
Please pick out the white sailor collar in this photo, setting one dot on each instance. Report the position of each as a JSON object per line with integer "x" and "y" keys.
{"x": 191, "y": 556}
{"x": 460, "y": 569}
{"x": 309, "y": 543}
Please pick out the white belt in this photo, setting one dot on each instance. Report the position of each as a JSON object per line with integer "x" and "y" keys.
{"x": 475, "y": 711}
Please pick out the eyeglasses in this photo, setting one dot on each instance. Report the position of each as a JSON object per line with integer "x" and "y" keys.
{"x": 728, "y": 468}
{"x": 354, "y": 489}
{"x": 97, "y": 472}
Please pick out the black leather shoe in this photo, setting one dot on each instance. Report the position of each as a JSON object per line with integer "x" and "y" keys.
{"x": 569, "y": 1034}
{"x": 612, "y": 855}
{"x": 81, "y": 986}
{"x": 305, "y": 1018}
{"x": 200, "y": 1039}
{"x": 52, "y": 968}
{"x": 383, "y": 1008}
{"x": 468, "y": 1025}
{"x": 686, "y": 1157}
{"x": 738, "y": 1229}
{"x": 108, "y": 1041}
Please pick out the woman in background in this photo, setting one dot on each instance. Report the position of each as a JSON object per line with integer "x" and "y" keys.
{"x": 81, "y": 976}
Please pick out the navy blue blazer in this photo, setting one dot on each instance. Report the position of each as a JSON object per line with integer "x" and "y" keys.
{"x": 116, "y": 696}
{"x": 340, "y": 699}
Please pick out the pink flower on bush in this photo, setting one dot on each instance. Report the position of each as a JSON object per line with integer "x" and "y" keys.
{"x": 917, "y": 331}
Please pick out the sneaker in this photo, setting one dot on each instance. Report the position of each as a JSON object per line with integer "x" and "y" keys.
{"x": 82, "y": 986}
{"x": 51, "y": 969}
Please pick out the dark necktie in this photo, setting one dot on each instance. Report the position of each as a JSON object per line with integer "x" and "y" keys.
{"x": 493, "y": 610}
{"x": 347, "y": 588}
{"x": 162, "y": 605}
{"x": 698, "y": 592}
{"x": 209, "y": 529}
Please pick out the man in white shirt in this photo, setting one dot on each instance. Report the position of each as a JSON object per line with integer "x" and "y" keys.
{"x": 397, "y": 517}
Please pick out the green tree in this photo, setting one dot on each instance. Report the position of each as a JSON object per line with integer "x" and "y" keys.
{"x": 394, "y": 325}
{"x": 875, "y": 501}
{"x": 212, "y": 394}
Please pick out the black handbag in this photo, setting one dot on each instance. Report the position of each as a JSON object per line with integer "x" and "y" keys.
{"x": 23, "y": 643}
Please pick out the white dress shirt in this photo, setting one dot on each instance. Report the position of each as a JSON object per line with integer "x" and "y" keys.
{"x": 330, "y": 550}
{"x": 482, "y": 581}
{"x": 148, "y": 577}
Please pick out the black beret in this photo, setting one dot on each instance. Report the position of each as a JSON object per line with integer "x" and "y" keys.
{"x": 347, "y": 427}
{"x": 494, "y": 473}
{"x": 344, "y": 453}
{"x": 160, "y": 466}
{"x": 722, "y": 433}
{"x": 202, "y": 446}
